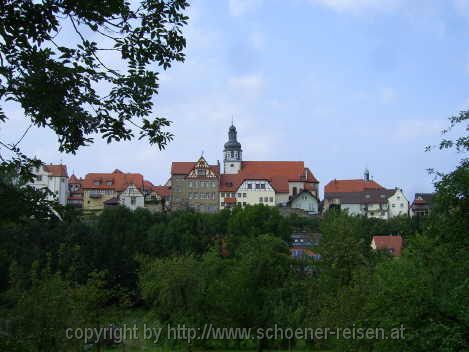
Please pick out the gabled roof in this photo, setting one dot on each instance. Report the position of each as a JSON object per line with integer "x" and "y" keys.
{"x": 73, "y": 179}
{"x": 185, "y": 167}
{"x": 393, "y": 243}
{"x": 358, "y": 185}
{"x": 423, "y": 198}
{"x": 116, "y": 180}
{"x": 58, "y": 170}
{"x": 278, "y": 173}
{"x": 300, "y": 194}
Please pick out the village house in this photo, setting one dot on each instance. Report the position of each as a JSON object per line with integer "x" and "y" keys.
{"x": 365, "y": 197}
{"x": 422, "y": 204}
{"x": 390, "y": 244}
{"x": 54, "y": 178}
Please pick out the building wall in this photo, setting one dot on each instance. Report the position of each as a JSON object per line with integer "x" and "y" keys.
{"x": 282, "y": 198}
{"x": 231, "y": 167}
{"x": 251, "y": 196}
{"x": 306, "y": 202}
{"x": 398, "y": 204}
{"x": 55, "y": 184}
{"x": 352, "y": 209}
{"x": 93, "y": 199}
{"x": 132, "y": 198}
{"x": 197, "y": 193}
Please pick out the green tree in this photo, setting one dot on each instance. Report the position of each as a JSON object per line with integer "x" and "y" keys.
{"x": 66, "y": 84}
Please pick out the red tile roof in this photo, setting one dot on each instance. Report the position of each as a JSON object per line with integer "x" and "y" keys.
{"x": 147, "y": 185}
{"x": 278, "y": 173}
{"x": 185, "y": 167}
{"x": 389, "y": 242}
{"x": 59, "y": 170}
{"x": 335, "y": 186}
{"x": 162, "y": 191}
{"x": 118, "y": 180}
{"x": 73, "y": 179}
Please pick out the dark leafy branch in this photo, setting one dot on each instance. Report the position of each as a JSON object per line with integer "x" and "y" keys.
{"x": 61, "y": 86}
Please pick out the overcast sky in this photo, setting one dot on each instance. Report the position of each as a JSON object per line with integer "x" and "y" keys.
{"x": 340, "y": 84}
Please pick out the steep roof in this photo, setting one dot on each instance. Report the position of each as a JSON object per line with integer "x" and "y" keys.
{"x": 116, "y": 180}
{"x": 394, "y": 243}
{"x": 185, "y": 167}
{"x": 73, "y": 179}
{"x": 351, "y": 186}
{"x": 423, "y": 198}
{"x": 278, "y": 173}
{"x": 58, "y": 170}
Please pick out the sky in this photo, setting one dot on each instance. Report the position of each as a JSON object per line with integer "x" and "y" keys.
{"x": 342, "y": 85}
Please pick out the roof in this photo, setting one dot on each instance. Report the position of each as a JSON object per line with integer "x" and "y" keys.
{"x": 351, "y": 186}
{"x": 112, "y": 201}
{"x": 369, "y": 196}
{"x": 162, "y": 191}
{"x": 147, "y": 185}
{"x": 278, "y": 173}
{"x": 73, "y": 179}
{"x": 230, "y": 200}
{"x": 116, "y": 180}
{"x": 185, "y": 167}
{"x": 393, "y": 243}
{"x": 423, "y": 198}
{"x": 58, "y": 170}
{"x": 301, "y": 193}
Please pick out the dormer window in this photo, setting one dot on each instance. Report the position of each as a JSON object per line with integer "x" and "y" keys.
{"x": 109, "y": 183}
{"x": 97, "y": 182}
{"x": 200, "y": 172}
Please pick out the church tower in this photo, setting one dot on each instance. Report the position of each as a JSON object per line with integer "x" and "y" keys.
{"x": 232, "y": 154}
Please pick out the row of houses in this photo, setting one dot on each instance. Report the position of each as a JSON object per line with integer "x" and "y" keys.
{"x": 205, "y": 187}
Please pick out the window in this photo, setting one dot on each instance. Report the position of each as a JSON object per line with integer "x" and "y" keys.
{"x": 258, "y": 186}
{"x": 133, "y": 200}
{"x": 39, "y": 177}
{"x": 261, "y": 199}
{"x": 233, "y": 195}
{"x": 295, "y": 191}
{"x": 271, "y": 199}
{"x": 200, "y": 172}
{"x": 394, "y": 205}
{"x": 239, "y": 195}
{"x": 239, "y": 204}
{"x": 222, "y": 194}
{"x": 190, "y": 184}
{"x": 109, "y": 183}
{"x": 244, "y": 204}
{"x": 244, "y": 195}
{"x": 97, "y": 183}
{"x": 249, "y": 185}
{"x": 402, "y": 205}
{"x": 190, "y": 195}
{"x": 266, "y": 199}
{"x": 398, "y": 197}
{"x": 262, "y": 185}
{"x": 222, "y": 204}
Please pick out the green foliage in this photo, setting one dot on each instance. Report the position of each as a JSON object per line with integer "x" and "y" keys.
{"x": 56, "y": 79}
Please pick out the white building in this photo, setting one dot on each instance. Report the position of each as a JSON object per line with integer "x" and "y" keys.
{"x": 365, "y": 197}
{"x": 132, "y": 198}
{"x": 54, "y": 178}
{"x": 263, "y": 182}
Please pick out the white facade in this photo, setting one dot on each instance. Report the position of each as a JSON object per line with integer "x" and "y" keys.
{"x": 232, "y": 167}
{"x": 251, "y": 192}
{"x": 398, "y": 204}
{"x": 132, "y": 198}
{"x": 305, "y": 201}
{"x": 58, "y": 185}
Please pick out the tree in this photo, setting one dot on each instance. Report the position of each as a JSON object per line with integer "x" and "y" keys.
{"x": 66, "y": 84}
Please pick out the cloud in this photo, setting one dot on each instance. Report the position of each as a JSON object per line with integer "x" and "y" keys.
{"x": 240, "y": 7}
{"x": 359, "y": 6}
{"x": 251, "y": 85}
